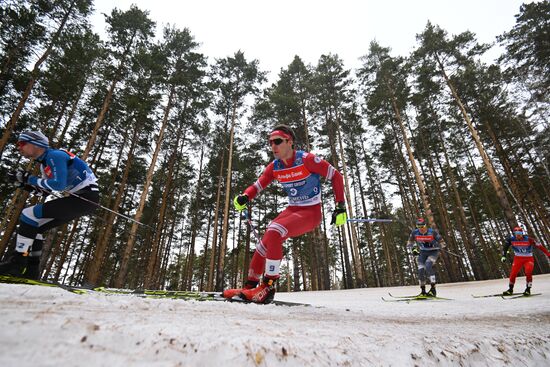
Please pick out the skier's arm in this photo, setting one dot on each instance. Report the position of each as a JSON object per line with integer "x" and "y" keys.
{"x": 411, "y": 242}
{"x": 507, "y": 245}
{"x": 58, "y": 163}
{"x": 439, "y": 239}
{"x": 412, "y": 245}
{"x": 540, "y": 246}
{"x": 261, "y": 183}
{"x": 320, "y": 166}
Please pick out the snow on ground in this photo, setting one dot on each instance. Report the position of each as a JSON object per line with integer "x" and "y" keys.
{"x": 42, "y": 326}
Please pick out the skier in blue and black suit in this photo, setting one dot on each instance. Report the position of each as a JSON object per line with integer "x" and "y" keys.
{"x": 62, "y": 172}
{"x": 425, "y": 243}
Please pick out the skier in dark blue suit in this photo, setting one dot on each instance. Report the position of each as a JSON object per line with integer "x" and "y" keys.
{"x": 425, "y": 243}
{"x": 62, "y": 172}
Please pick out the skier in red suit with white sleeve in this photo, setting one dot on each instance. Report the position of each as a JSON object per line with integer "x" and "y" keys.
{"x": 523, "y": 247}
{"x": 299, "y": 173}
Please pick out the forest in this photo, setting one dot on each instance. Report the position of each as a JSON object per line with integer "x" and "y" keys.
{"x": 173, "y": 136}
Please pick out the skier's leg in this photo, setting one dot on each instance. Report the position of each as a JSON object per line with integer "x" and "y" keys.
{"x": 430, "y": 272}
{"x": 33, "y": 263}
{"x": 528, "y": 268}
{"x": 41, "y": 217}
{"x": 29, "y": 226}
{"x": 517, "y": 264}
{"x": 292, "y": 222}
{"x": 258, "y": 261}
{"x": 422, "y": 257}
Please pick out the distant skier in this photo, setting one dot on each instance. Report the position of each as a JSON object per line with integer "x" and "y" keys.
{"x": 425, "y": 243}
{"x": 61, "y": 171}
{"x": 522, "y": 245}
{"x": 299, "y": 173}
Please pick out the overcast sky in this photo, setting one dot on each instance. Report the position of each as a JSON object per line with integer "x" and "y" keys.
{"x": 276, "y": 30}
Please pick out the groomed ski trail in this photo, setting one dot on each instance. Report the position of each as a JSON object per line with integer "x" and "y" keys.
{"x": 45, "y": 326}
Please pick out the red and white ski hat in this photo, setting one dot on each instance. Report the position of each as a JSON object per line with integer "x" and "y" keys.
{"x": 420, "y": 222}
{"x": 518, "y": 230}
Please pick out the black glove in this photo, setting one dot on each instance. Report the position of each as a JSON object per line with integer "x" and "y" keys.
{"x": 415, "y": 251}
{"x": 36, "y": 191}
{"x": 18, "y": 177}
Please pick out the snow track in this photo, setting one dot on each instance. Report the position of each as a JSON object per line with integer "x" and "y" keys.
{"x": 43, "y": 326}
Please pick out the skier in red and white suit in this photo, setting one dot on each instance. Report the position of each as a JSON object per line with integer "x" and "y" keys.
{"x": 523, "y": 247}
{"x": 299, "y": 173}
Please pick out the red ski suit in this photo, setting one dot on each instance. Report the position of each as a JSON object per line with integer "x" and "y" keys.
{"x": 300, "y": 178}
{"x": 523, "y": 251}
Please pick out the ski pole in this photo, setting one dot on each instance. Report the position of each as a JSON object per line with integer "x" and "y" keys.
{"x": 246, "y": 215}
{"x": 91, "y": 202}
{"x": 366, "y": 220}
{"x": 451, "y": 253}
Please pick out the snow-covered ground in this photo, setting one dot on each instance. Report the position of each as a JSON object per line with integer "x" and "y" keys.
{"x": 43, "y": 326}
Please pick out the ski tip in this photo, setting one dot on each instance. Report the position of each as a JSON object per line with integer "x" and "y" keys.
{"x": 521, "y": 296}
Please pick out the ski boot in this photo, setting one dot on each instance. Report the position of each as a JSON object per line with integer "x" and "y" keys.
{"x": 249, "y": 284}
{"x": 264, "y": 293}
{"x": 16, "y": 266}
{"x": 527, "y": 291}
{"x": 33, "y": 268}
{"x": 432, "y": 292}
{"x": 510, "y": 291}
{"x": 423, "y": 291}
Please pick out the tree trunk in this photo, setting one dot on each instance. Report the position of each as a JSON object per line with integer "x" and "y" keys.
{"x": 93, "y": 272}
{"x": 152, "y": 263}
{"x": 211, "y": 272}
{"x": 125, "y": 260}
{"x": 501, "y": 195}
{"x": 109, "y": 96}
{"x": 194, "y": 226}
{"x": 223, "y": 245}
{"x": 417, "y": 175}
{"x": 65, "y": 250}
{"x": 359, "y": 275}
{"x": 72, "y": 112}
{"x": 34, "y": 77}
{"x": 205, "y": 252}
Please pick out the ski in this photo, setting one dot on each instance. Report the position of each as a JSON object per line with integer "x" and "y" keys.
{"x": 416, "y": 295}
{"x": 419, "y": 296}
{"x": 17, "y": 280}
{"x": 521, "y": 295}
{"x": 397, "y": 299}
{"x": 111, "y": 291}
{"x": 151, "y": 294}
{"x": 237, "y": 299}
{"x": 415, "y": 298}
{"x": 159, "y": 293}
{"x": 495, "y": 295}
{"x": 184, "y": 295}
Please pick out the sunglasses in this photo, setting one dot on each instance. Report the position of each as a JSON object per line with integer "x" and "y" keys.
{"x": 21, "y": 144}
{"x": 421, "y": 226}
{"x": 276, "y": 141}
